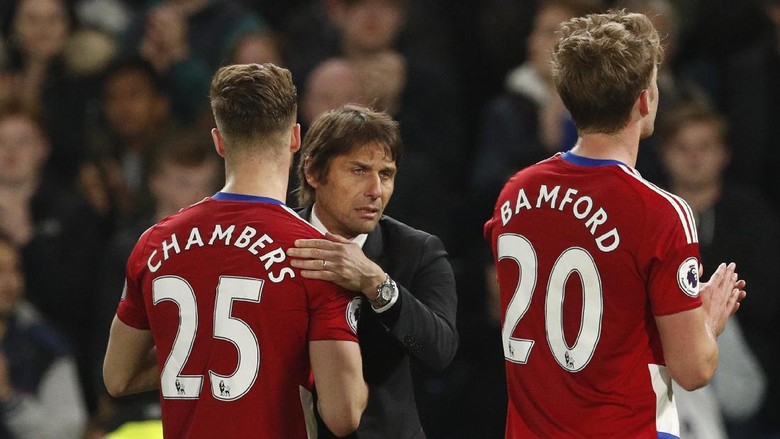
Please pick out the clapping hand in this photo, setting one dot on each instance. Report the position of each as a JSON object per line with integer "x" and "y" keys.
{"x": 721, "y": 296}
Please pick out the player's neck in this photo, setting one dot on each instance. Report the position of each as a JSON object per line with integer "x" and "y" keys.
{"x": 621, "y": 146}
{"x": 265, "y": 180}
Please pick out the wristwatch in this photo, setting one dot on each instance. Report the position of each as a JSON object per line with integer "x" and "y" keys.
{"x": 386, "y": 292}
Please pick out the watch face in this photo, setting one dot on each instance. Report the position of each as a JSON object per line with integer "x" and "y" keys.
{"x": 385, "y": 292}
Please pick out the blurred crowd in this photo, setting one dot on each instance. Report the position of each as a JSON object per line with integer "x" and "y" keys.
{"x": 104, "y": 130}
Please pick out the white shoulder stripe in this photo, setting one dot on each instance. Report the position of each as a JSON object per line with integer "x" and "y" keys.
{"x": 682, "y": 208}
{"x": 298, "y": 217}
{"x": 691, "y": 217}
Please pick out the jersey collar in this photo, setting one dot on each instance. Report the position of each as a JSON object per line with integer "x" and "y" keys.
{"x": 586, "y": 161}
{"x": 227, "y": 196}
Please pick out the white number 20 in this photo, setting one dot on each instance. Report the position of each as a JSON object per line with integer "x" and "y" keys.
{"x": 574, "y": 259}
{"x": 173, "y": 384}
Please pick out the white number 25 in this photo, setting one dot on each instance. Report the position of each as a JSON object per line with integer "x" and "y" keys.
{"x": 574, "y": 259}
{"x": 173, "y": 384}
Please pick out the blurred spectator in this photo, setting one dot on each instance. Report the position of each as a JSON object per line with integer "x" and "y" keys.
{"x": 367, "y": 27}
{"x": 136, "y": 119}
{"x": 186, "y": 41}
{"x": 38, "y": 32}
{"x": 88, "y": 53}
{"x": 733, "y": 397}
{"x": 256, "y": 47}
{"x": 332, "y": 84}
{"x": 319, "y": 29}
{"x": 673, "y": 86}
{"x": 56, "y": 232}
{"x": 696, "y": 154}
{"x": 40, "y": 393}
{"x": 185, "y": 171}
{"x": 724, "y": 48}
{"x": 110, "y": 16}
{"x": 771, "y": 180}
{"x": 385, "y": 77}
{"x": 527, "y": 122}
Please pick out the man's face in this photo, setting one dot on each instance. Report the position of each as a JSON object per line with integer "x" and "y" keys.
{"x": 331, "y": 85}
{"x": 696, "y": 156}
{"x": 23, "y": 150}
{"x": 132, "y": 105}
{"x": 355, "y": 191}
{"x": 42, "y": 27}
{"x": 371, "y": 26}
{"x": 543, "y": 36}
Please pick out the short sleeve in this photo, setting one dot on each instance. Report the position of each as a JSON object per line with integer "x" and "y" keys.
{"x": 333, "y": 312}
{"x": 674, "y": 281}
{"x": 131, "y": 310}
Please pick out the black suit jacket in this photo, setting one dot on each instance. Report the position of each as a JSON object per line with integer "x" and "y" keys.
{"x": 421, "y": 324}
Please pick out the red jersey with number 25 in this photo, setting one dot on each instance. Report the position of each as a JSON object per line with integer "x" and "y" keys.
{"x": 587, "y": 253}
{"x": 231, "y": 319}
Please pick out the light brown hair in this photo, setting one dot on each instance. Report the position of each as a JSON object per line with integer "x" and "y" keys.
{"x": 252, "y": 102}
{"x": 600, "y": 66}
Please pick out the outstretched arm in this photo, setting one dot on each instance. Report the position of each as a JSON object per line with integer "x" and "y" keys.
{"x": 130, "y": 365}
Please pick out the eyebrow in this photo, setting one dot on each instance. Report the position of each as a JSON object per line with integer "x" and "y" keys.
{"x": 354, "y": 162}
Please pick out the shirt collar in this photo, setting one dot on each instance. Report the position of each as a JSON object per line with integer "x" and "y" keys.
{"x": 228, "y": 196}
{"x": 315, "y": 221}
{"x": 589, "y": 162}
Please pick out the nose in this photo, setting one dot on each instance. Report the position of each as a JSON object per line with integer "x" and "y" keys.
{"x": 374, "y": 186}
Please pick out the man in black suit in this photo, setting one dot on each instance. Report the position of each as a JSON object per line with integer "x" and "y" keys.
{"x": 346, "y": 177}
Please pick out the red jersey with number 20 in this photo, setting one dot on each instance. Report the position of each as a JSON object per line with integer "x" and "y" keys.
{"x": 231, "y": 319}
{"x": 587, "y": 253}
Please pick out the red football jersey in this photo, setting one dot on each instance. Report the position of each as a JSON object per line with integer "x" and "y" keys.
{"x": 231, "y": 319}
{"x": 587, "y": 252}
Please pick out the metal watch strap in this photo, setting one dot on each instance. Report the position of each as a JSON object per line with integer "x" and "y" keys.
{"x": 381, "y": 299}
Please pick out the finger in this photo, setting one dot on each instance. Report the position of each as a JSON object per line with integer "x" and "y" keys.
{"x": 314, "y": 243}
{"x": 729, "y": 275}
{"x": 737, "y": 295}
{"x": 318, "y": 274}
{"x": 717, "y": 276}
{"x": 306, "y": 253}
{"x": 740, "y": 284}
{"x": 309, "y": 264}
